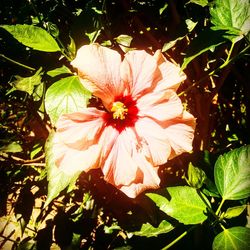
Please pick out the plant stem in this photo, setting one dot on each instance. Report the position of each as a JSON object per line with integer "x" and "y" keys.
{"x": 179, "y": 238}
{"x": 228, "y": 60}
{"x": 63, "y": 49}
{"x": 17, "y": 63}
{"x": 230, "y": 53}
{"x": 219, "y": 208}
{"x": 207, "y": 204}
{"x": 223, "y": 227}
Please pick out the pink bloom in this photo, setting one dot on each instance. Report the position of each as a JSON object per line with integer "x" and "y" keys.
{"x": 141, "y": 124}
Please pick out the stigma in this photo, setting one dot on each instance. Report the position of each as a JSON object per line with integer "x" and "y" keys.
{"x": 119, "y": 110}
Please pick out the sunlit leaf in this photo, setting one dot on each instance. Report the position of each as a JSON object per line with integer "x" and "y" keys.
{"x": 59, "y": 71}
{"x": 184, "y": 204}
{"x": 196, "y": 176}
{"x": 235, "y": 238}
{"x": 72, "y": 48}
{"x": 124, "y": 42}
{"x": 106, "y": 43}
{"x": 206, "y": 40}
{"x": 147, "y": 230}
{"x": 232, "y": 174}
{"x": 231, "y": 15}
{"x": 65, "y": 96}
{"x": 112, "y": 228}
{"x": 190, "y": 24}
{"x": 38, "y": 92}
{"x": 32, "y": 36}
{"x": 36, "y": 149}
{"x": 170, "y": 44}
{"x": 162, "y": 9}
{"x": 100, "y": 12}
{"x": 12, "y": 147}
{"x": 58, "y": 180}
{"x": 202, "y": 3}
{"x": 234, "y": 211}
{"x": 28, "y": 84}
{"x": 93, "y": 35}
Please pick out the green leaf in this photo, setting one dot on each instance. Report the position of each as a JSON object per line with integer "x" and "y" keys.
{"x": 231, "y": 15}
{"x": 234, "y": 238}
{"x": 124, "y": 42}
{"x": 196, "y": 176}
{"x": 162, "y": 9}
{"x": 185, "y": 204}
{"x": 59, "y": 71}
{"x": 232, "y": 174}
{"x": 112, "y": 228}
{"x": 12, "y": 147}
{"x": 106, "y": 43}
{"x": 100, "y": 12}
{"x": 32, "y": 36}
{"x": 58, "y": 180}
{"x": 147, "y": 230}
{"x": 35, "y": 150}
{"x": 206, "y": 40}
{"x": 93, "y": 35}
{"x": 38, "y": 92}
{"x": 234, "y": 211}
{"x": 27, "y": 84}
{"x": 170, "y": 44}
{"x": 65, "y": 96}
{"x": 211, "y": 189}
{"x": 190, "y": 24}
{"x": 27, "y": 244}
{"x": 76, "y": 242}
{"x": 53, "y": 29}
{"x": 202, "y": 3}
{"x": 72, "y": 48}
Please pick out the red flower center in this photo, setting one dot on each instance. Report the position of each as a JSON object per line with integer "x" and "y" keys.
{"x": 123, "y": 113}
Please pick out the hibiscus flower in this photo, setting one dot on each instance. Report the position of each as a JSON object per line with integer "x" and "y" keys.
{"x": 139, "y": 126}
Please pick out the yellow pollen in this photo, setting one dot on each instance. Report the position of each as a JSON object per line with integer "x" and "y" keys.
{"x": 119, "y": 110}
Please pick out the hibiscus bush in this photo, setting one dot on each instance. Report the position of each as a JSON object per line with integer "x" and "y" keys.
{"x": 124, "y": 124}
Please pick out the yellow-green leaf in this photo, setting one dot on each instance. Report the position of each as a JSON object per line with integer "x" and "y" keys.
{"x": 234, "y": 238}
{"x": 32, "y": 36}
{"x": 184, "y": 204}
{"x": 232, "y": 174}
{"x": 65, "y": 96}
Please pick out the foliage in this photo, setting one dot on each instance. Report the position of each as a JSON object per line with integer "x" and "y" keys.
{"x": 203, "y": 193}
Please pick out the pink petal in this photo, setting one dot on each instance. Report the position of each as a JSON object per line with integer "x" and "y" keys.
{"x": 161, "y": 106}
{"x": 71, "y": 160}
{"x": 138, "y": 71}
{"x": 99, "y": 69}
{"x": 75, "y": 143}
{"x": 171, "y": 75}
{"x": 78, "y": 129}
{"x": 154, "y": 141}
{"x": 127, "y": 167}
{"x": 120, "y": 168}
{"x": 150, "y": 181}
{"x": 107, "y": 141}
{"x": 180, "y": 133}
